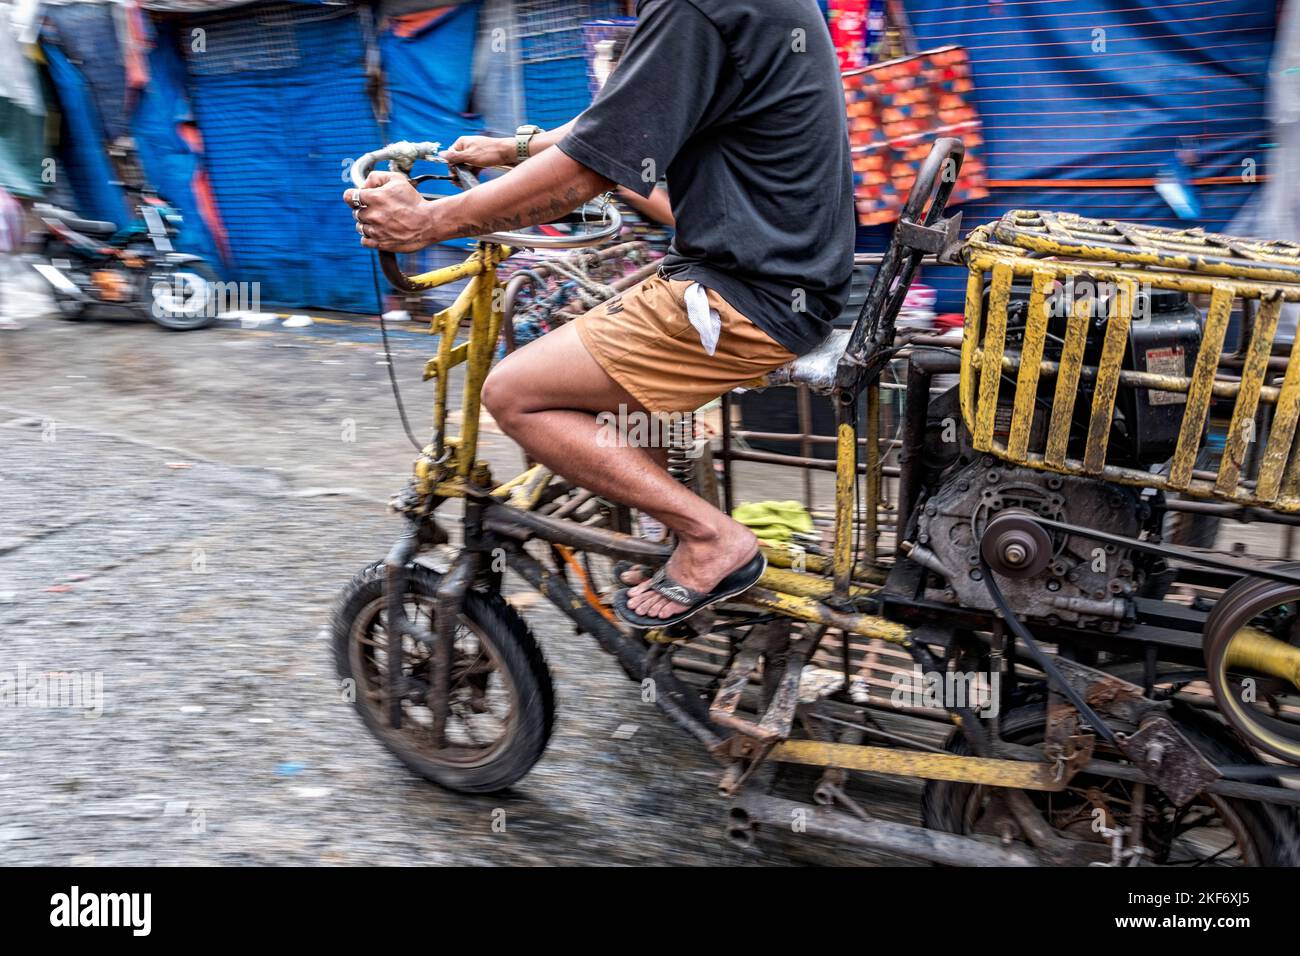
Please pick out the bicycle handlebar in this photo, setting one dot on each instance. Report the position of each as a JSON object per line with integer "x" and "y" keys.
{"x": 402, "y": 156}
{"x": 935, "y": 180}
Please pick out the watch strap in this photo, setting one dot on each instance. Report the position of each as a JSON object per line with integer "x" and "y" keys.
{"x": 523, "y": 136}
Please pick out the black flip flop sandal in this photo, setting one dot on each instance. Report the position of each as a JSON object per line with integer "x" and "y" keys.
{"x": 622, "y": 567}
{"x": 737, "y": 582}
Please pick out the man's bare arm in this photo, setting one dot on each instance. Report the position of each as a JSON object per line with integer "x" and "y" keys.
{"x": 398, "y": 219}
{"x": 484, "y": 151}
{"x": 548, "y": 138}
{"x": 538, "y": 191}
{"x": 655, "y": 206}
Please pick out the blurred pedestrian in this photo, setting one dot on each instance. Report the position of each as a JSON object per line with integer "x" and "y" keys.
{"x": 11, "y": 240}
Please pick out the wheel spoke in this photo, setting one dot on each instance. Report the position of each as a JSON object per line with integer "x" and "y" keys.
{"x": 479, "y": 706}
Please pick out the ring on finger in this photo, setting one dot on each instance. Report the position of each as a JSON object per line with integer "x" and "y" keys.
{"x": 356, "y": 200}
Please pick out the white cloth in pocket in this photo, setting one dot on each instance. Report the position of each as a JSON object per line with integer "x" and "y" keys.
{"x": 706, "y": 320}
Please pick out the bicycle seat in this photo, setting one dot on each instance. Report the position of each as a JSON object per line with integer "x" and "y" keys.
{"x": 816, "y": 368}
{"x": 89, "y": 227}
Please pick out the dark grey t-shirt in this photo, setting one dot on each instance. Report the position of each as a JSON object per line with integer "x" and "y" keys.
{"x": 740, "y": 105}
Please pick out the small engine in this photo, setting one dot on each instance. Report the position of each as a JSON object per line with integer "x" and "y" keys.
{"x": 1050, "y": 576}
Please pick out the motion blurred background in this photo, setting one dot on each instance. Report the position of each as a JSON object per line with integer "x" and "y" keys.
{"x": 245, "y": 115}
{"x": 208, "y": 493}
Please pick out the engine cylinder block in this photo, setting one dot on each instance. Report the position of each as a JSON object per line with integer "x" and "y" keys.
{"x": 1047, "y": 576}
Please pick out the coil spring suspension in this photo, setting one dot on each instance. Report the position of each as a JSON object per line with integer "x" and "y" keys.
{"x": 681, "y": 448}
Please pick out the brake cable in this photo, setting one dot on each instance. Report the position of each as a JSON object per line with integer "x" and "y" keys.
{"x": 388, "y": 354}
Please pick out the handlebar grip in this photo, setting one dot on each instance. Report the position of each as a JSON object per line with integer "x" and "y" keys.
{"x": 399, "y": 156}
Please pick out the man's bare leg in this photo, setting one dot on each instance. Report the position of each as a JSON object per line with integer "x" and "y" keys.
{"x": 546, "y": 397}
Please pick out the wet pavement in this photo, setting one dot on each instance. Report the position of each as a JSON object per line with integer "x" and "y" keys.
{"x": 177, "y": 514}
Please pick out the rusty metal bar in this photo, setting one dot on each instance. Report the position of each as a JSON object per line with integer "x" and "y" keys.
{"x": 915, "y": 414}
{"x": 1201, "y": 388}
{"x": 811, "y": 438}
{"x": 776, "y": 458}
{"x": 522, "y": 525}
{"x": 1067, "y": 383}
{"x": 1268, "y": 394}
{"x": 1108, "y": 369}
{"x": 1282, "y": 437}
{"x": 1242, "y": 430}
{"x": 985, "y": 257}
{"x": 1031, "y": 354}
{"x": 873, "y": 463}
{"x": 803, "y": 399}
{"x": 912, "y": 841}
{"x": 995, "y": 338}
{"x": 1019, "y": 774}
{"x": 727, "y": 454}
{"x": 970, "y": 335}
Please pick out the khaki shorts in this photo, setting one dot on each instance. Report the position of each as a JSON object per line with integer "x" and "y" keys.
{"x": 644, "y": 340}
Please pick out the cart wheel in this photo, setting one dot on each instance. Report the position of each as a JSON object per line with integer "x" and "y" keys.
{"x": 1250, "y": 641}
{"x": 502, "y": 703}
{"x": 1209, "y": 831}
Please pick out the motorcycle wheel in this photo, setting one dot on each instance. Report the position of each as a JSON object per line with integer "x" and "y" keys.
{"x": 501, "y": 708}
{"x": 181, "y": 298}
{"x": 1210, "y": 830}
{"x": 69, "y": 308}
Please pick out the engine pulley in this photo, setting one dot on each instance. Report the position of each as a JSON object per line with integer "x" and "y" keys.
{"x": 1015, "y": 545}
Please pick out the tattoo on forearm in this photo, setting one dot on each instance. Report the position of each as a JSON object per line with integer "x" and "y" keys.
{"x": 531, "y": 216}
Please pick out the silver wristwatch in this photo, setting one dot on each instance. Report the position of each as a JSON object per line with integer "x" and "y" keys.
{"x": 523, "y": 136}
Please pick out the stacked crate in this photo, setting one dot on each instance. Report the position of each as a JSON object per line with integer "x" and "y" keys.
{"x": 896, "y": 110}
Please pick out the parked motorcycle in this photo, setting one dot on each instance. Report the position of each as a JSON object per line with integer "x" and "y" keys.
{"x": 135, "y": 268}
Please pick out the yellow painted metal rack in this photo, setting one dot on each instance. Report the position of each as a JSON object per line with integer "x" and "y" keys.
{"x": 1052, "y": 252}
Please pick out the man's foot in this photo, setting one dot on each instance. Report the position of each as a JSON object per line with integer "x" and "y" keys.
{"x": 631, "y": 574}
{"x": 699, "y": 564}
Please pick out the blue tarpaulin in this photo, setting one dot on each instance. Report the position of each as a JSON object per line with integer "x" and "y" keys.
{"x": 169, "y": 163}
{"x": 82, "y": 144}
{"x": 1080, "y": 89}
{"x": 87, "y": 34}
{"x": 1074, "y": 90}
{"x": 280, "y": 129}
{"x": 429, "y": 78}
